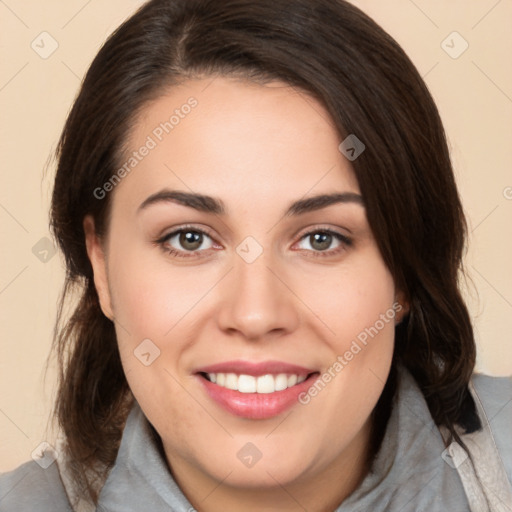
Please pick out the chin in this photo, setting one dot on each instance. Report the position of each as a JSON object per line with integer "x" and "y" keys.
{"x": 267, "y": 475}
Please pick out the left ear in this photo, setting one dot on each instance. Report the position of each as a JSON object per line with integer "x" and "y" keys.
{"x": 98, "y": 261}
{"x": 401, "y": 306}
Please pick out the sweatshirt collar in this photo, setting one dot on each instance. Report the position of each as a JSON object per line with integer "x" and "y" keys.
{"x": 409, "y": 472}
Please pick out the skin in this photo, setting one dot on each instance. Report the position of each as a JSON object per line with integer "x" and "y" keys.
{"x": 258, "y": 148}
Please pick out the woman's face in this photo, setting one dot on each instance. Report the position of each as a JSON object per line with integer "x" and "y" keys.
{"x": 263, "y": 264}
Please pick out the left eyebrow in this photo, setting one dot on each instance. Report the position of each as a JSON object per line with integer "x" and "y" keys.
{"x": 214, "y": 205}
{"x": 323, "y": 201}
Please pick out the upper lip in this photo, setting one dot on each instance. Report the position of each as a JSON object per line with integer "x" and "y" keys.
{"x": 256, "y": 369}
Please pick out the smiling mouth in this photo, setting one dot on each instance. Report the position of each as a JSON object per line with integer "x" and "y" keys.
{"x": 263, "y": 384}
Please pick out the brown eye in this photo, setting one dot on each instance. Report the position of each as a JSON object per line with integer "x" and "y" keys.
{"x": 190, "y": 240}
{"x": 186, "y": 240}
{"x": 320, "y": 241}
{"x": 324, "y": 242}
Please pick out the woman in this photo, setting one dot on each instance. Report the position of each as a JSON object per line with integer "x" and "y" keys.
{"x": 256, "y": 205}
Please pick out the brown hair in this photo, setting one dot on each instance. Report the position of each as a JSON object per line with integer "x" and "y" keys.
{"x": 337, "y": 54}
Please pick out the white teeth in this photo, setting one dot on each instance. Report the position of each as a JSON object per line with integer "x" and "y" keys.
{"x": 281, "y": 382}
{"x": 246, "y": 384}
{"x": 249, "y": 384}
{"x": 231, "y": 381}
{"x": 265, "y": 384}
{"x": 292, "y": 380}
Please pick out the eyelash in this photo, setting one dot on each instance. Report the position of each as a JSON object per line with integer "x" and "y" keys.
{"x": 161, "y": 242}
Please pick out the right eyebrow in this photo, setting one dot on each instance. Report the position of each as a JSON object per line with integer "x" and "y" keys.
{"x": 199, "y": 202}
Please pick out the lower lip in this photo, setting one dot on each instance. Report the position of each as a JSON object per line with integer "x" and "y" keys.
{"x": 256, "y": 406}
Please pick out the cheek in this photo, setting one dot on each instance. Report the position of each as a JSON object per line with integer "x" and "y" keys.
{"x": 358, "y": 307}
{"x": 158, "y": 309}
{"x": 151, "y": 297}
{"x": 350, "y": 299}
{"x": 151, "y": 302}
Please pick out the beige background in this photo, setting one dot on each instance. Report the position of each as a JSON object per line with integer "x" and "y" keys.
{"x": 473, "y": 92}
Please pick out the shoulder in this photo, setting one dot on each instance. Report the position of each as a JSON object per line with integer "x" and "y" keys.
{"x": 30, "y": 487}
{"x": 495, "y": 395}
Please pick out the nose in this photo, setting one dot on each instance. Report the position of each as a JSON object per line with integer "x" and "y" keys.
{"x": 256, "y": 301}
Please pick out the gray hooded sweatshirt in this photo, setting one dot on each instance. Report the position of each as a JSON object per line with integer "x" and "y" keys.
{"x": 412, "y": 472}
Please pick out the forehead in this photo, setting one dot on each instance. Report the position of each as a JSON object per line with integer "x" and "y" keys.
{"x": 235, "y": 139}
